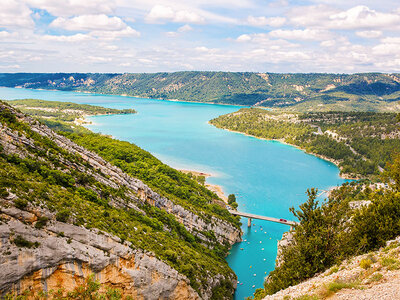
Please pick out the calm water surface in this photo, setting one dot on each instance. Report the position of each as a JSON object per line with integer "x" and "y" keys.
{"x": 268, "y": 177}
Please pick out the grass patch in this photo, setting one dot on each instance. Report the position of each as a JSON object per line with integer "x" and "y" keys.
{"x": 375, "y": 277}
{"x": 335, "y": 286}
{"x": 307, "y": 297}
{"x": 333, "y": 270}
{"x": 391, "y": 246}
{"x": 390, "y": 263}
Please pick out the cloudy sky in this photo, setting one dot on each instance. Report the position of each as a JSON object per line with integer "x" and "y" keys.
{"x": 341, "y": 36}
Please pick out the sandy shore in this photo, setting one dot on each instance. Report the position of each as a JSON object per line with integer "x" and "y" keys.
{"x": 212, "y": 187}
{"x": 195, "y": 173}
{"x": 82, "y": 120}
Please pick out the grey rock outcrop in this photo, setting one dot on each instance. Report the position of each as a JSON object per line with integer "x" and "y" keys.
{"x": 65, "y": 254}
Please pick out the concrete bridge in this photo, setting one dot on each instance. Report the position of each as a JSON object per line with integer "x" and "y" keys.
{"x": 252, "y": 216}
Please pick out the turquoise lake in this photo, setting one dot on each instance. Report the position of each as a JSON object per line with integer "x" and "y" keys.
{"x": 267, "y": 177}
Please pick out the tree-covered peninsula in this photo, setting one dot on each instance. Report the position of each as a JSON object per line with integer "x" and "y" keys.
{"x": 360, "y": 143}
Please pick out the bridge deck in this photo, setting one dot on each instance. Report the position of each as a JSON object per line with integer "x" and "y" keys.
{"x": 252, "y": 216}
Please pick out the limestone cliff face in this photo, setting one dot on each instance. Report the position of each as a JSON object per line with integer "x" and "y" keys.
{"x": 286, "y": 241}
{"x": 68, "y": 254}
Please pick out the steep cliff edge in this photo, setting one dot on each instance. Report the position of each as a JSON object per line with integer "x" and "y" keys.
{"x": 64, "y": 255}
{"x": 66, "y": 213}
{"x": 370, "y": 276}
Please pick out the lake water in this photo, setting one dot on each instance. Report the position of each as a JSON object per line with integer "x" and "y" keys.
{"x": 266, "y": 176}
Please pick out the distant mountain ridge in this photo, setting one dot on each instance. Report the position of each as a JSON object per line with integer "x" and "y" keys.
{"x": 302, "y": 92}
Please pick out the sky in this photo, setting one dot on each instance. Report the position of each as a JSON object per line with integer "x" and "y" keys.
{"x": 129, "y": 36}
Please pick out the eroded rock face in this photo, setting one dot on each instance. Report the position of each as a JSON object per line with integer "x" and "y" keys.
{"x": 67, "y": 254}
{"x": 286, "y": 241}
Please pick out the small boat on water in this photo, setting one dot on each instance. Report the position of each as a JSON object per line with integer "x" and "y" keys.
{"x": 241, "y": 249}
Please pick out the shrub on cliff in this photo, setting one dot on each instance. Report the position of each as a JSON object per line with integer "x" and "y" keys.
{"x": 330, "y": 232}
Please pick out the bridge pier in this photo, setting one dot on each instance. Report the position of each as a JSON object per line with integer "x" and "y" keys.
{"x": 249, "y": 222}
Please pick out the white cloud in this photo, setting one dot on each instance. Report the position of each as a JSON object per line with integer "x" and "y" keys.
{"x": 369, "y": 34}
{"x": 182, "y": 29}
{"x": 185, "y": 28}
{"x": 160, "y": 14}
{"x": 392, "y": 40}
{"x": 244, "y": 38}
{"x": 358, "y": 17}
{"x": 15, "y": 14}
{"x": 112, "y": 35}
{"x": 90, "y": 23}
{"x": 127, "y": 64}
{"x": 263, "y": 21}
{"x": 302, "y": 35}
{"x": 98, "y": 59}
{"x": 67, "y": 8}
{"x": 145, "y": 61}
{"x": 389, "y": 46}
{"x": 308, "y": 16}
{"x": 99, "y": 26}
{"x": 10, "y": 67}
{"x": 363, "y": 17}
{"x": 171, "y": 34}
{"x": 4, "y": 34}
{"x": 264, "y": 40}
{"x": 79, "y": 37}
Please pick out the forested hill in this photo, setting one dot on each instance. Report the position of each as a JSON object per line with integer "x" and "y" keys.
{"x": 359, "y": 143}
{"x": 301, "y": 92}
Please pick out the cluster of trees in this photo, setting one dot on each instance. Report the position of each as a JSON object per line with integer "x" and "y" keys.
{"x": 361, "y": 143}
{"x": 175, "y": 185}
{"x": 51, "y": 177}
{"x": 63, "y": 111}
{"x": 232, "y": 201}
{"x": 331, "y": 231}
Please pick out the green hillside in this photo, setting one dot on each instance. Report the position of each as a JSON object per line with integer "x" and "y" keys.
{"x": 301, "y": 92}
{"x": 360, "y": 143}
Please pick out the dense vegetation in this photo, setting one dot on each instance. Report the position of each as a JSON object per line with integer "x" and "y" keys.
{"x": 45, "y": 175}
{"x": 343, "y": 226}
{"x": 301, "y": 92}
{"x": 63, "y": 111}
{"x": 178, "y": 187}
{"x": 359, "y": 142}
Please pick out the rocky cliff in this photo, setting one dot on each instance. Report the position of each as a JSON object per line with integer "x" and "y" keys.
{"x": 66, "y": 254}
{"x": 50, "y": 219}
